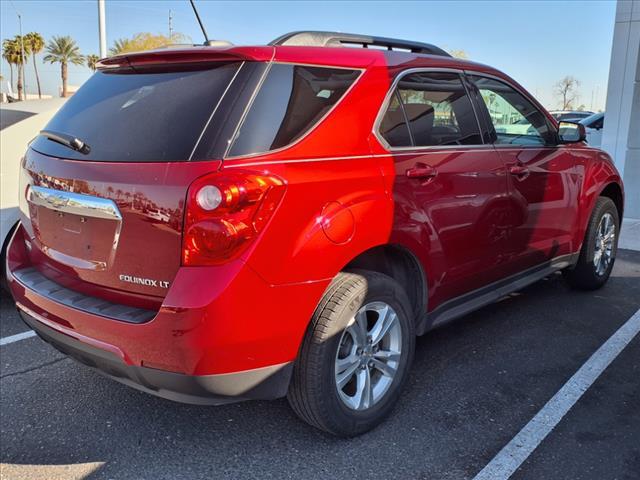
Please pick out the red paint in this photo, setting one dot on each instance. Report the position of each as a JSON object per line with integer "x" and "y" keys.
{"x": 338, "y": 223}
{"x": 471, "y": 215}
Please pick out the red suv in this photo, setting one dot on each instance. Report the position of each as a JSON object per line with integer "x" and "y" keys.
{"x": 217, "y": 224}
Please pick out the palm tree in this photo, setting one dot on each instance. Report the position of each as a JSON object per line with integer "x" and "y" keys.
{"x": 12, "y": 53}
{"x": 63, "y": 50}
{"x": 9, "y": 54}
{"x": 34, "y": 42}
{"x": 121, "y": 45}
{"x": 23, "y": 53}
{"x": 91, "y": 61}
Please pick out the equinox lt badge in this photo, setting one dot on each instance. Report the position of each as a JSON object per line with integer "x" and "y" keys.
{"x": 144, "y": 281}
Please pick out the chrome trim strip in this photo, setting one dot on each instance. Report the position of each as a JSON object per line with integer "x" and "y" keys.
{"x": 302, "y": 160}
{"x": 73, "y": 203}
{"x": 413, "y": 152}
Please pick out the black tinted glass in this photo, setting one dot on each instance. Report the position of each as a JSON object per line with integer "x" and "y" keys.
{"x": 438, "y": 111}
{"x": 394, "y": 127}
{"x": 292, "y": 99}
{"x": 139, "y": 117}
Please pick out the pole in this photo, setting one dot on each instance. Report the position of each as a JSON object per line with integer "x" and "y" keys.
{"x": 22, "y": 59}
{"x": 102, "y": 29}
{"x": 170, "y": 26}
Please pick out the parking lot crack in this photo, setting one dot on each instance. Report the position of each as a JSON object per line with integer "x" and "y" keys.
{"x": 37, "y": 367}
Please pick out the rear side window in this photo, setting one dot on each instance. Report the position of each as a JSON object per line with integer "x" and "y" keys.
{"x": 139, "y": 117}
{"x": 430, "y": 109}
{"x": 291, "y": 101}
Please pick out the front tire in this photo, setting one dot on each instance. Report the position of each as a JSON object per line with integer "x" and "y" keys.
{"x": 599, "y": 248}
{"x": 355, "y": 356}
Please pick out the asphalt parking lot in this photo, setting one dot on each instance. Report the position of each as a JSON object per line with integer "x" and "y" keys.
{"x": 474, "y": 385}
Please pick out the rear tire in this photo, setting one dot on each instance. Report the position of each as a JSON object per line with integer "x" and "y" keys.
{"x": 599, "y": 248}
{"x": 338, "y": 384}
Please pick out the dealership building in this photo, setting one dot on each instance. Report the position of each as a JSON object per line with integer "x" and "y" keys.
{"x": 621, "y": 136}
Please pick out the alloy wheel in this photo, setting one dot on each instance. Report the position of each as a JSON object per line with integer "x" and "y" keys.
{"x": 368, "y": 356}
{"x": 604, "y": 243}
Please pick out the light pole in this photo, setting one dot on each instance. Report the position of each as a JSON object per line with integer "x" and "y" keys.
{"x": 22, "y": 59}
{"x": 102, "y": 29}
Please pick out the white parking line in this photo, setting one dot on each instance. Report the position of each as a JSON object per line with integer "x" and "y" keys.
{"x": 17, "y": 337}
{"x": 527, "y": 440}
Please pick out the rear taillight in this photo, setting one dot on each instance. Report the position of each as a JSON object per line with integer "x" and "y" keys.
{"x": 225, "y": 212}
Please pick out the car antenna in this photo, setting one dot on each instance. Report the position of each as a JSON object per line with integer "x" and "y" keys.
{"x": 204, "y": 32}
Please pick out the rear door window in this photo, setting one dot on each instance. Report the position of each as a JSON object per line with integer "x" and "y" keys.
{"x": 128, "y": 116}
{"x": 291, "y": 101}
{"x": 436, "y": 109}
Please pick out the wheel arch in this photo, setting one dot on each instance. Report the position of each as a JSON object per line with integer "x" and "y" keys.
{"x": 399, "y": 263}
{"x": 614, "y": 192}
{"x": 3, "y": 255}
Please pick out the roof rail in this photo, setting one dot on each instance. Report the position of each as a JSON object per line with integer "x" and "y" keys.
{"x": 336, "y": 39}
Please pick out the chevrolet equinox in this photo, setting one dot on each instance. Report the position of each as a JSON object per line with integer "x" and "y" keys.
{"x": 214, "y": 224}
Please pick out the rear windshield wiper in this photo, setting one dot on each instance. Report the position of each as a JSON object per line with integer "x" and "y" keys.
{"x": 67, "y": 140}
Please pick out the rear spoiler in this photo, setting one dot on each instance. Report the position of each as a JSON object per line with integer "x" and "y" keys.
{"x": 185, "y": 56}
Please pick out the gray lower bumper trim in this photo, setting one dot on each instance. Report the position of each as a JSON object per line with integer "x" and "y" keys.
{"x": 263, "y": 383}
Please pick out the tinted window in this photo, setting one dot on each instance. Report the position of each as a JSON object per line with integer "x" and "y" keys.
{"x": 394, "y": 126}
{"x": 515, "y": 119}
{"x": 571, "y": 116}
{"x": 292, "y": 99}
{"x": 437, "y": 110}
{"x": 594, "y": 121}
{"x": 139, "y": 117}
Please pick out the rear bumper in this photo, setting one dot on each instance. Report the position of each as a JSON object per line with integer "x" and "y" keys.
{"x": 262, "y": 383}
{"x": 221, "y": 333}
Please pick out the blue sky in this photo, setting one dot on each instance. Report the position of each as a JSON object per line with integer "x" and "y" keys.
{"x": 536, "y": 42}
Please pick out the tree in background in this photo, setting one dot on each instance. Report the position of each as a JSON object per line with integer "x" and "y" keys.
{"x": 145, "y": 41}
{"x": 459, "y": 54}
{"x": 10, "y": 54}
{"x": 63, "y": 50}
{"x": 34, "y": 43}
{"x": 91, "y": 61}
{"x": 566, "y": 90}
{"x": 22, "y": 49}
{"x": 121, "y": 45}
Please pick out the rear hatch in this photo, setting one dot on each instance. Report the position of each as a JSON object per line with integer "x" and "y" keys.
{"x": 104, "y": 186}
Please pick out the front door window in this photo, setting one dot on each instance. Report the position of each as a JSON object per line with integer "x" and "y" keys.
{"x": 515, "y": 119}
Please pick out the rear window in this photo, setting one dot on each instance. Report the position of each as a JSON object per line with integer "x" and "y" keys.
{"x": 139, "y": 117}
{"x": 291, "y": 101}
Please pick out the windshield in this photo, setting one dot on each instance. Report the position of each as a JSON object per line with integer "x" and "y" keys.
{"x": 591, "y": 119}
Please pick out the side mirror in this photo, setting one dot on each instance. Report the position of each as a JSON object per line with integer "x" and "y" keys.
{"x": 570, "y": 132}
